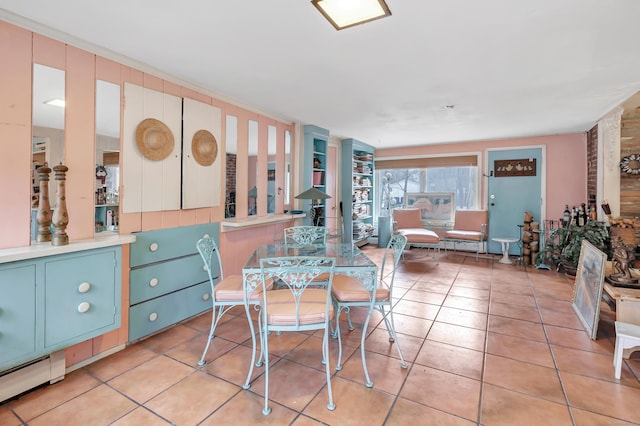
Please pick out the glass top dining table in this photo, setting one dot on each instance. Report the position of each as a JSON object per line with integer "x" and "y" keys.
{"x": 348, "y": 257}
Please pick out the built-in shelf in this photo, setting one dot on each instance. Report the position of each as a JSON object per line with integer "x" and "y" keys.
{"x": 232, "y": 224}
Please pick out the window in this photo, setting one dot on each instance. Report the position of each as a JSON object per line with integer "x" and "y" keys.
{"x": 442, "y": 174}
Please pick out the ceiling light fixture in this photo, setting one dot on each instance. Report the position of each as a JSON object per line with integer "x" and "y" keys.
{"x": 347, "y": 13}
{"x": 55, "y": 102}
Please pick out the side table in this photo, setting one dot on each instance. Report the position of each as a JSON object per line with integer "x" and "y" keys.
{"x": 505, "y": 248}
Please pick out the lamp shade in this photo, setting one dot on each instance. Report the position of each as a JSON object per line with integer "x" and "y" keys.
{"x": 312, "y": 194}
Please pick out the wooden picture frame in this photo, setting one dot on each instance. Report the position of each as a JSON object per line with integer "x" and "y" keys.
{"x": 432, "y": 205}
{"x": 588, "y": 287}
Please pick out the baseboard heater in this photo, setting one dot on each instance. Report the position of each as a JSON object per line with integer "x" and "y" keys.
{"x": 20, "y": 379}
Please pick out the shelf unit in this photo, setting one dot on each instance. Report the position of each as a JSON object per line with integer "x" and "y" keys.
{"x": 357, "y": 186}
{"x": 315, "y": 165}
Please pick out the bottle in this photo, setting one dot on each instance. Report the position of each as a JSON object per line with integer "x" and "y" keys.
{"x": 580, "y": 216}
{"x": 594, "y": 213}
{"x": 574, "y": 216}
{"x": 566, "y": 217}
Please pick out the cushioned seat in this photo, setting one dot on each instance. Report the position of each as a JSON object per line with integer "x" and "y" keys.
{"x": 409, "y": 224}
{"x": 469, "y": 226}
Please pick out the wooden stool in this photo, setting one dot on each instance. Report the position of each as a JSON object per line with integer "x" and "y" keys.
{"x": 627, "y": 337}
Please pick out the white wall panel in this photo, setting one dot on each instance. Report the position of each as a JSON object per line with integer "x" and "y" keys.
{"x": 150, "y": 185}
{"x": 201, "y": 185}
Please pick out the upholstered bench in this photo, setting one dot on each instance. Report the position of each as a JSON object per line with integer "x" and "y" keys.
{"x": 470, "y": 226}
{"x": 409, "y": 224}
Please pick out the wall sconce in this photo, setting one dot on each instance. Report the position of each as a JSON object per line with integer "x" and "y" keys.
{"x": 344, "y": 14}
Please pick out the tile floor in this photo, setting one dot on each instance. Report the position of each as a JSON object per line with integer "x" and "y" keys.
{"x": 486, "y": 343}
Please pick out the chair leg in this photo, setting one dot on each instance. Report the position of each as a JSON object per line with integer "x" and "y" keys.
{"x": 216, "y": 314}
{"x": 339, "y": 337}
{"x": 325, "y": 355}
{"x": 265, "y": 342}
{"x": 247, "y": 383}
{"x": 368, "y": 383}
{"x": 391, "y": 328}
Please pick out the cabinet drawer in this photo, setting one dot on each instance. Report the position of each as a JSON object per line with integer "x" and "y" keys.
{"x": 156, "y": 246}
{"x": 17, "y": 314}
{"x": 81, "y": 297}
{"x": 156, "y": 314}
{"x": 158, "y": 279}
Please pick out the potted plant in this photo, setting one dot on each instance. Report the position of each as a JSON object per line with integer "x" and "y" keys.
{"x": 562, "y": 246}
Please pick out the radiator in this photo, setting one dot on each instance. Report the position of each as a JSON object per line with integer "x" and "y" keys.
{"x": 49, "y": 369}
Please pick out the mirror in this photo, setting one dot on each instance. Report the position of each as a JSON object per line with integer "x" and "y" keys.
{"x": 231, "y": 148}
{"x": 48, "y": 126}
{"x": 271, "y": 169}
{"x": 287, "y": 170}
{"x": 107, "y": 186}
{"x": 252, "y": 167}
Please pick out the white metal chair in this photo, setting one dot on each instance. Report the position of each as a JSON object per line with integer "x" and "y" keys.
{"x": 297, "y": 306}
{"x": 348, "y": 292}
{"x": 226, "y": 292}
{"x": 305, "y": 235}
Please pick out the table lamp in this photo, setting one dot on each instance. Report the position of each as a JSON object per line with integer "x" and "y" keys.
{"x": 313, "y": 194}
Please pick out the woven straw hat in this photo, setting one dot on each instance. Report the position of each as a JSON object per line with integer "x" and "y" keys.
{"x": 154, "y": 139}
{"x": 204, "y": 148}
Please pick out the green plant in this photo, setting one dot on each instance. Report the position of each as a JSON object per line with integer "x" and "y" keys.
{"x": 562, "y": 246}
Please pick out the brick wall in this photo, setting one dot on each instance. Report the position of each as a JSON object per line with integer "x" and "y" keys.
{"x": 592, "y": 165}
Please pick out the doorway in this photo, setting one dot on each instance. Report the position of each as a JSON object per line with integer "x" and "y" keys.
{"x": 510, "y": 196}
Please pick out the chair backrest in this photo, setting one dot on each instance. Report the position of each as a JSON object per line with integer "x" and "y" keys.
{"x": 395, "y": 247}
{"x": 408, "y": 218}
{"x": 472, "y": 220}
{"x": 210, "y": 256}
{"x": 298, "y": 274}
{"x": 305, "y": 235}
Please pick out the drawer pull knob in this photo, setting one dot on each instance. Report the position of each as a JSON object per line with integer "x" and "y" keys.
{"x": 153, "y": 316}
{"x": 83, "y": 307}
{"x": 84, "y": 287}
{"x": 153, "y": 282}
{"x": 205, "y": 296}
{"x": 153, "y": 247}
{"x": 205, "y": 268}
{"x": 206, "y": 236}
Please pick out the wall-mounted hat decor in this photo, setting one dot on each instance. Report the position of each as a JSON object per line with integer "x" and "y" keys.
{"x": 631, "y": 164}
{"x": 154, "y": 139}
{"x": 204, "y": 147}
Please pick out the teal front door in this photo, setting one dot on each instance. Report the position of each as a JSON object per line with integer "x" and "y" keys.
{"x": 511, "y": 196}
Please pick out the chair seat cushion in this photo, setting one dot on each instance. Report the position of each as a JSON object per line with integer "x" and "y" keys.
{"x": 281, "y": 309}
{"x": 464, "y": 235}
{"x": 420, "y": 235}
{"x": 230, "y": 289}
{"x": 348, "y": 289}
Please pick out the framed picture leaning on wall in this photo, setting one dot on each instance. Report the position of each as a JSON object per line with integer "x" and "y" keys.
{"x": 433, "y": 205}
{"x": 588, "y": 288}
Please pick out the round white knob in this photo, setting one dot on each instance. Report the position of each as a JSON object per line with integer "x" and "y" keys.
{"x": 153, "y": 247}
{"x": 205, "y": 296}
{"x": 205, "y": 268}
{"x": 84, "y": 287}
{"x": 153, "y": 316}
{"x": 153, "y": 282}
{"x": 206, "y": 236}
{"x": 83, "y": 307}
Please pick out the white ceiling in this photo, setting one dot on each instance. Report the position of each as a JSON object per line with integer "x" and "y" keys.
{"x": 435, "y": 71}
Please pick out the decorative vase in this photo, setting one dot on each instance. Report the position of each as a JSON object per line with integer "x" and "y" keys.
{"x": 43, "y": 216}
{"x": 60, "y": 214}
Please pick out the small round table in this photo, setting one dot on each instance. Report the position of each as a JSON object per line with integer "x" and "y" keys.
{"x": 505, "y": 248}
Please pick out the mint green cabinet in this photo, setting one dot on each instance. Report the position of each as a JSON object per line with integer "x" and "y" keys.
{"x": 167, "y": 281}
{"x": 314, "y": 172}
{"x": 357, "y": 191}
{"x": 17, "y": 314}
{"x": 52, "y": 302}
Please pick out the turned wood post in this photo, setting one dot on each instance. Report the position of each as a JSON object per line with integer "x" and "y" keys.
{"x": 60, "y": 214}
{"x": 43, "y": 216}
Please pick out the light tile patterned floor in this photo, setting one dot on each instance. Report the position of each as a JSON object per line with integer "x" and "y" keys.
{"x": 486, "y": 343}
